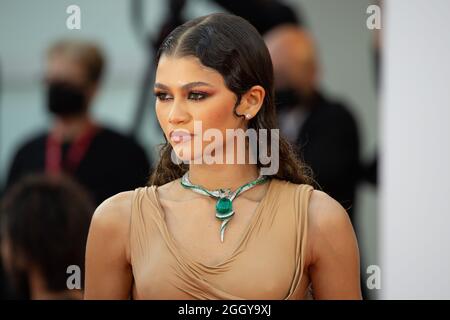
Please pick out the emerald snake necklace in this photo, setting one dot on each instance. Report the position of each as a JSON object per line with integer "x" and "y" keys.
{"x": 225, "y": 197}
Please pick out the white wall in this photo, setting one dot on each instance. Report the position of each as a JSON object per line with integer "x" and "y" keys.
{"x": 415, "y": 194}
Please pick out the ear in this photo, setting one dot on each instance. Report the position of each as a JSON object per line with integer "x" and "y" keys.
{"x": 251, "y": 102}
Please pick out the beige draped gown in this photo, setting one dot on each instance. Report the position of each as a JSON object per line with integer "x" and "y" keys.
{"x": 268, "y": 262}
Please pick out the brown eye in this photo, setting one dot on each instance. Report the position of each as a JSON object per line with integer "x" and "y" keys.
{"x": 197, "y": 96}
{"x": 162, "y": 96}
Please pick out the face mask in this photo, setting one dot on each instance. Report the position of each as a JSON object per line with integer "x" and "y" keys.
{"x": 65, "y": 99}
{"x": 286, "y": 98}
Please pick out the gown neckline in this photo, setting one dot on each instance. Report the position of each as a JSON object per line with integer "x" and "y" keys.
{"x": 245, "y": 234}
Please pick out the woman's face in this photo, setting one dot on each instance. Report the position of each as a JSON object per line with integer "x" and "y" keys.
{"x": 187, "y": 91}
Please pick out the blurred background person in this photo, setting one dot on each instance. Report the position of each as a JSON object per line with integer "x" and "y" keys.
{"x": 324, "y": 130}
{"x": 101, "y": 159}
{"x": 44, "y": 225}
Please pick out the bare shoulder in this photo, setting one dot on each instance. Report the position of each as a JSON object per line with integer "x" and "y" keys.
{"x": 115, "y": 210}
{"x": 332, "y": 250}
{"x": 328, "y": 222}
{"x": 108, "y": 262}
{"x": 324, "y": 211}
{"x": 110, "y": 221}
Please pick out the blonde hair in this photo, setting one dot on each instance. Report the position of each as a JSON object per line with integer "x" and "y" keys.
{"x": 82, "y": 51}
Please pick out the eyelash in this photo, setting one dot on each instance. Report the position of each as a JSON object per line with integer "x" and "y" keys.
{"x": 162, "y": 96}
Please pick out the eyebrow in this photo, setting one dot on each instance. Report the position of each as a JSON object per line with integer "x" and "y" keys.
{"x": 186, "y": 86}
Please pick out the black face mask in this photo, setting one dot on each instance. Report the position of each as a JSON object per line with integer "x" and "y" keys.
{"x": 64, "y": 99}
{"x": 287, "y": 98}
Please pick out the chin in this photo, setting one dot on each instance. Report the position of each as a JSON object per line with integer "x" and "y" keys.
{"x": 185, "y": 154}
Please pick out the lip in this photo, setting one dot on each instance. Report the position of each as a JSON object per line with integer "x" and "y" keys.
{"x": 179, "y": 136}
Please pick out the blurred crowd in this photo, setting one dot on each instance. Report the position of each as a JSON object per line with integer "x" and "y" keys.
{"x": 57, "y": 178}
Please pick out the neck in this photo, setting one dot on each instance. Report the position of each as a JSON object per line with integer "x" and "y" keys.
{"x": 70, "y": 128}
{"x": 39, "y": 291}
{"x": 222, "y": 176}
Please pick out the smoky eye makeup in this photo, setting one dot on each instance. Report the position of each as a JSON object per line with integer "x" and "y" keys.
{"x": 194, "y": 95}
{"x": 161, "y": 95}
{"x": 197, "y": 95}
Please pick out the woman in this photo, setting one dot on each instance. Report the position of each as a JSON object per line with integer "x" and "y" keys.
{"x": 272, "y": 237}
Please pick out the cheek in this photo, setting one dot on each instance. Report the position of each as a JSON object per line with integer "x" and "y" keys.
{"x": 162, "y": 116}
{"x": 214, "y": 119}
{"x": 218, "y": 116}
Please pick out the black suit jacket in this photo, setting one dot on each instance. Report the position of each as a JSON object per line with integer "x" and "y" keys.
{"x": 329, "y": 143}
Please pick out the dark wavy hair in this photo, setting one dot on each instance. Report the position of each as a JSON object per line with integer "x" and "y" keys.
{"x": 45, "y": 220}
{"x": 233, "y": 47}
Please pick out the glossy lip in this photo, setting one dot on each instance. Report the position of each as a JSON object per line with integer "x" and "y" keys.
{"x": 182, "y": 134}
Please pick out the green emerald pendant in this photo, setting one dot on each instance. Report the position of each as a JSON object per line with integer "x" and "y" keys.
{"x": 224, "y": 208}
{"x": 224, "y": 211}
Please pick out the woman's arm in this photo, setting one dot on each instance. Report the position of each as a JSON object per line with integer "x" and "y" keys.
{"x": 108, "y": 270}
{"x": 334, "y": 265}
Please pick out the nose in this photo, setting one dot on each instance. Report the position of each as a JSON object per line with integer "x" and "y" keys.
{"x": 178, "y": 113}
